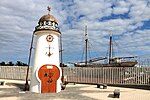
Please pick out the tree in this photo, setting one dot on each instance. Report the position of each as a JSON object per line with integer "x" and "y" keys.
{"x": 2, "y": 63}
{"x": 63, "y": 65}
{"x": 23, "y": 64}
{"x": 18, "y": 63}
{"x": 10, "y": 63}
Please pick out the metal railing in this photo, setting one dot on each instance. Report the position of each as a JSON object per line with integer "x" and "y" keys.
{"x": 13, "y": 72}
{"x": 107, "y": 75}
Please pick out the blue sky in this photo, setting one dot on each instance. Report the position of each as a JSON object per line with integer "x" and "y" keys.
{"x": 128, "y": 20}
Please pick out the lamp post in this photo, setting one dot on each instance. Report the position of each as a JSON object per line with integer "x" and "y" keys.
{"x": 29, "y": 58}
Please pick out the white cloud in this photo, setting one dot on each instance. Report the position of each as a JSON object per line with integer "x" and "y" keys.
{"x": 121, "y": 7}
{"x": 139, "y": 11}
{"x": 19, "y": 17}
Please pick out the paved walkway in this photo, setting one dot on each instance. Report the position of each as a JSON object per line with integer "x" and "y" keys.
{"x": 13, "y": 91}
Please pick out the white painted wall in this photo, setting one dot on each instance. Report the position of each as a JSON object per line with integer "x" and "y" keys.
{"x": 41, "y": 58}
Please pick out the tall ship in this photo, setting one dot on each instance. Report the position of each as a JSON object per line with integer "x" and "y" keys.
{"x": 110, "y": 61}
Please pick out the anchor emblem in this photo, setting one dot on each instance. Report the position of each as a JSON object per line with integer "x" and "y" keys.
{"x": 49, "y": 52}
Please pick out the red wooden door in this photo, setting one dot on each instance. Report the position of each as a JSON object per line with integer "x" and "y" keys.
{"x": 48, "y": 74}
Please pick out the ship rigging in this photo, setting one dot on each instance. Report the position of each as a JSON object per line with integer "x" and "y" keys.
{"x": 111, "y": 61}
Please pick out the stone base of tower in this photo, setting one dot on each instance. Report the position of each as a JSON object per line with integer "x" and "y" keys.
{"x": 46, "y": 79}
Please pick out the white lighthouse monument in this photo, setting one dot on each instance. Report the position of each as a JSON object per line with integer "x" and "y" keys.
{"x": 46, "y": 72}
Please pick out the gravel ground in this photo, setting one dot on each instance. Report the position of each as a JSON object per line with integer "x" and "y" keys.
{"x": 13, "y": 90}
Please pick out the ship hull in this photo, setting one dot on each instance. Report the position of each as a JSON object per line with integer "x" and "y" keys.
{"x": 122, "y": 64}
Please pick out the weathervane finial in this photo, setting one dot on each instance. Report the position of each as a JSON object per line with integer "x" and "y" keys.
{"x": 49, "y": 9}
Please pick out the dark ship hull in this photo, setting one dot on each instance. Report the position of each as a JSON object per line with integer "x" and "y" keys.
{"x": 122, "y": 64}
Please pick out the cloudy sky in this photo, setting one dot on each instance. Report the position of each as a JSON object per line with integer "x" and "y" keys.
{"x": 128, "y": 20}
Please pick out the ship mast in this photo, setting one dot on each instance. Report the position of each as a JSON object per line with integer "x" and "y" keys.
{"x": 110, "y": 49}
{"x": 86, "y": 45}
